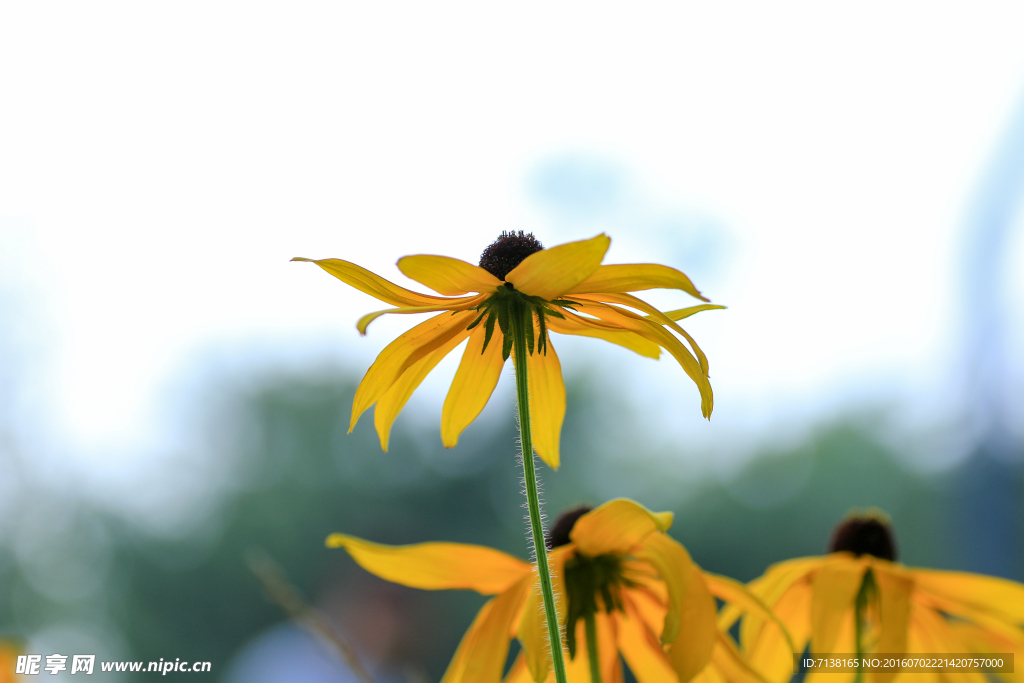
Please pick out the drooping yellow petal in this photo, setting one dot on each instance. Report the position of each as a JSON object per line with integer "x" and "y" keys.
{"x": 519, "y": 673}
{"x": 617, "y": 527}
{"x": 986, "y": 593}
{"x": 436, "y": 566}
{"x": 709, "y": 674}
{"x": 736, "y": 593}
{"x": 547, "y": 403}
{"x": 446, "y": 275}
{"x": 640, "y": 648}
{"x": 654, "y": 315}
{"x": 394, "y": 399}
{"x": 634, "y": 277}
{"x": 481, "y": 655}
{"x": 607, "y": 647}
{"x": 845, "y": 643}
{"x": 770, "y": 586}
{"x": 656, "y": 333}
{"x": 894, "y": 591}
{"x": 768, "y": 652}
{"x": 402, "y": 353}
{"x": 533, "y": 634}
{"x": 473, "y": 385}
{"x": 373, "y": 284}
{"x": 690, "y": 619}
{"x": 835, "y": 588}
{"x": 985, "y": 641}
{"x": 550, "y": 273}
{"x": 625, "y": 338}
{"x": 935, "y": 634}
{"x": 650, "y": 600}
{"x": 680, "y": 313}
{"x": 577, "y": 669}
{"x": 485, "y": 661}
{"x": 453, "y": 305}
{"x": 731, "y": 664}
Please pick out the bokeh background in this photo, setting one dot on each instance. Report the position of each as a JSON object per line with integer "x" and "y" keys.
{"x": 174, "y": 394}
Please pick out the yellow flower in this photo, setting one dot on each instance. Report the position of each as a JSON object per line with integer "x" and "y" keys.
{"x": 904, "y": 609}
{"x": 565, "y": 289}
{"x": 9, "y": 652}
{"x": 614, "y": 565}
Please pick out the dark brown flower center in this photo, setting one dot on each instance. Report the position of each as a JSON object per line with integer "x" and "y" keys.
{"x": 508, "y": 251}
{"x": 865, "y": 534}
{"x": 559, "y": 533}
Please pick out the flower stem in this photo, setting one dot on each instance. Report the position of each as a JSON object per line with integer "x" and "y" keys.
{"x": 595, "y": 664}
{"x": 860, "y": 618}
{"x": 520, "y": 318}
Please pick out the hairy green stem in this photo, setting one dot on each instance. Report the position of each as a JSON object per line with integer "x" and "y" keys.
{"x": 595, "y": 663}
{"x": 520, "y": 318}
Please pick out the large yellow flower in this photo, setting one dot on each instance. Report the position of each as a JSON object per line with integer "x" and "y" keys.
{"x": 615, "y": 569}
{"x": 902, "y": 609}
{"x": 565, "y": 289}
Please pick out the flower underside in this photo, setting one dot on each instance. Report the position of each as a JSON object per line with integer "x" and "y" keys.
{"x": 508, "y": 304}
{"x": 586, "y": 580}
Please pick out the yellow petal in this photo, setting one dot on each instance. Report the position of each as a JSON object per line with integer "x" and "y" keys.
{"x": 617, "y": 527}
{"x": 640, "y": 648}
{"x": 727, "y": 660}
{"x": 473, "y": 385}
{"x": 634, "y": 277}
{"x": 780, "y": 576}
{"x": 452, "y": 305}
{"x": 654, "y": 315}
{"x": 577, "y": 669}
{"x": 736, "y": 593}
{"x": 435, "y": 566}
{"x": 709, "y": 674}
{"x": 650, "y": 600}
{"x": 986, "y": 642}
{"x": 680, "y": 313}
{"x": 402, "y": 353}
{"x": 533, "y": 634}
{"x": 394, "y": 399}
{"x": 607, "y": 647}
{"x": 690, "y": 619}
{"x": 835, "y": 588}
{"x": 482, "y": 653}
{"x": 692, "y": 648}
{"x": 894, "y": 591}
{"x": 373, "y": 284}
{"x": 446, "y": 275}
{"x": 547, "y": 403}
{"x": 776, "y": 580}
{"x": 768, "y": 652}
{"x": 625, "y": 338}
{"x": 611, "y": 315}
{"x": 990, "y": 594}
{"x": 519, "y": 673}
{"x": 935, "y": 635}
{"x": 485, "y": 660}
{"x": 550, "y": 273}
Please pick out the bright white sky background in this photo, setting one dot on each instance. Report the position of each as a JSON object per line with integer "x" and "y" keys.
{"x": 809, "y": 164}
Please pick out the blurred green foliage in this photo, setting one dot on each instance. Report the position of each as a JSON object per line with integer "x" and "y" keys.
{"x": 297, "y": 476}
